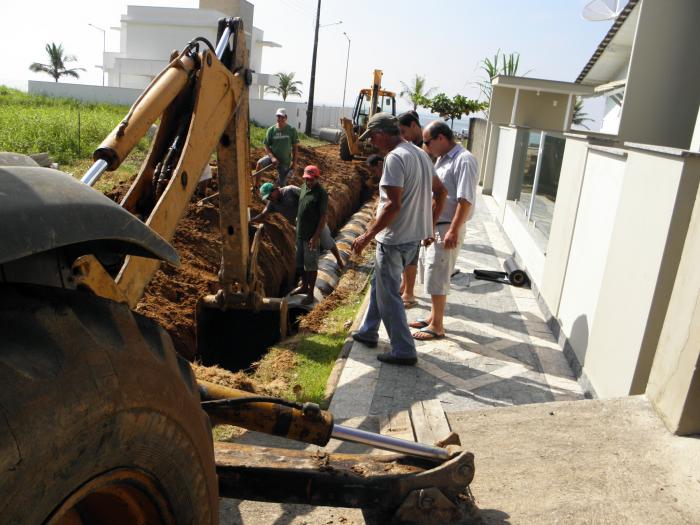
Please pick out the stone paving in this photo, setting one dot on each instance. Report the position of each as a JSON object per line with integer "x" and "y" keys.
{"x": 498, "y": 350}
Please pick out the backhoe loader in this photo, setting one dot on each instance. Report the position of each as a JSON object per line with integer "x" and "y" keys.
{"x": 369, "y": 101}
{"x": 101, "y": 422}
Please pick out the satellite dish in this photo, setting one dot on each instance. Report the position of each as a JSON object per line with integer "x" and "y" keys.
{"x": 599, "y": 10}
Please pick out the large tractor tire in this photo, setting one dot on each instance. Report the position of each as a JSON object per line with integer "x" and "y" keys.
{"x": 344, "y": 148}
{"x": 100, "y": 420}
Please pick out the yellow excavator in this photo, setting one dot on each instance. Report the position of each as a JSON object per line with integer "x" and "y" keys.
{"x": 101, "y": 422}
{"x": 369, "y": 101}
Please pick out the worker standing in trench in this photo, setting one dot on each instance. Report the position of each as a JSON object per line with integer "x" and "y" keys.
{"x": 311, "y": 218}
{"x": 281, "y": 144}
{"x": 285, "y": 201}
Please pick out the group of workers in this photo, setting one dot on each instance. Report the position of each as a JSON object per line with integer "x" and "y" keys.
{"x": 427, "y": 193}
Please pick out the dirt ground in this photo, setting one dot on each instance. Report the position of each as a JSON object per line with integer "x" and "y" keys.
{"x": 172, "y": 294}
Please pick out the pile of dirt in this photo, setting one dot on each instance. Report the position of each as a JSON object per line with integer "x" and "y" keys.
{"x": 171, "y": 296}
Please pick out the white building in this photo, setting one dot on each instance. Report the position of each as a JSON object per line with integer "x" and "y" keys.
{"x": 607, "y": 223}
{"x": 148, "y": 35}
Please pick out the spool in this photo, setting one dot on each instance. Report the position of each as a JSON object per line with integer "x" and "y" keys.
{"x": 516, "y": 276}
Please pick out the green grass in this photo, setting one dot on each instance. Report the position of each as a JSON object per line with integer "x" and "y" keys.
{"x": 315, "y": 355}
{"x": 70, "y": 130}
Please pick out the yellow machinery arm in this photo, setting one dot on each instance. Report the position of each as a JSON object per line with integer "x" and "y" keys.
{"x": 201, "y": 103}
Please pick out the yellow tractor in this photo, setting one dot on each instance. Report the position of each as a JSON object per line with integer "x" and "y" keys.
{"x": 101, "y": 422}
{"x": 369, "y": 101}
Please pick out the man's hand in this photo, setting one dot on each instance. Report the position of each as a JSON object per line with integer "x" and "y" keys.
{"x": 274, "y": 160}
{"x": 450, "y": 240}
{"x": 313, "y": 243}
{"x": 428, "y": 241}
{"x": 360, "y": 243}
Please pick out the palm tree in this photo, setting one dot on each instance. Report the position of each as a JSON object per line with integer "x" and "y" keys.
{"x": 57, "y": 63}
{"x": 500, "y": 65}
{"x": 579, "y": 116}
{"x": 416, "y": 93}
{"x": 287, "y": 86}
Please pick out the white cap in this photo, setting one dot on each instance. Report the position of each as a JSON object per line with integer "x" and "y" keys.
{"x": 281, "y": 112}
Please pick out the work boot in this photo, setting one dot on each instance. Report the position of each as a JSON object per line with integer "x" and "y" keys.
{"x": 393, "y": 360}
{"x": 367, "y": 342}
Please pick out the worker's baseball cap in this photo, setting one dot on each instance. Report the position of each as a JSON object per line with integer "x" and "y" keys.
{"x": 281, "y": 112}
{"x": 381, "y": 122}
{"x": 266, "y": 190}
{"x": 311, "y": 172}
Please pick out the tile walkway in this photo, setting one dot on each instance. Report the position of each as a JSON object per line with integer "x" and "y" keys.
{"x": 498, "y": 350}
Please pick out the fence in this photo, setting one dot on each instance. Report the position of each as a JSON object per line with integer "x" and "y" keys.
{"x": 262, "y": 111}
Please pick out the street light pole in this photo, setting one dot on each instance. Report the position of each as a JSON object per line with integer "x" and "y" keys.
{"x": 104, "y": 40}
{"x": 312, "y": 83}
{"x": 347, "y": 61}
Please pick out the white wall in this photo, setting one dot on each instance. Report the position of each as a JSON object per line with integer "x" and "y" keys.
{"x": 598, "y": 204}
{"x": 86, "y": 93}
{"x": 504, "y": 160}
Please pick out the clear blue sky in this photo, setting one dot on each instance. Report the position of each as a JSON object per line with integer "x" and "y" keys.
{"x": 443, "y": 40}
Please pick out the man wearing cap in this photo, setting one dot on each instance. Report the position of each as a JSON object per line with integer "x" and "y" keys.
{"x": 403, "y": 220}
{"x": 311, "y": 218}
{"x": 281, "y": 144}
{"x": 457, "y": 169}
{"x": 286, "y": 201}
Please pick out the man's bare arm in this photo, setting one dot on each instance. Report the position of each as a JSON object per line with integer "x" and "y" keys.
{"x": 385, "y": 218}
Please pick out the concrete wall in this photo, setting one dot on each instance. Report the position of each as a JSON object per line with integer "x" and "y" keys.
{"x": 98, "y": 94}
{"x": 648, "y": 232}
{"x": 476, "y": 143}
{"x": 590, "y": 244}
{"x": 504, "y": 162}
{"x": 674, "y": 380}
{"x": 262, "y": 111}
{"x": 564, "y": 216}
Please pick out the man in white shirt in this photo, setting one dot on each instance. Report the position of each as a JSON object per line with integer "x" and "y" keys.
{"x": 457, "y": 169}
{"x": 404, "y": 218}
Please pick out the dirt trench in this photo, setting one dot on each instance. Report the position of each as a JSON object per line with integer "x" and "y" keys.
{"x": 172, "y": 294}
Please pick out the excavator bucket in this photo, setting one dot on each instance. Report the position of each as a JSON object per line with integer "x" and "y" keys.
{"x": 234, "y": 329}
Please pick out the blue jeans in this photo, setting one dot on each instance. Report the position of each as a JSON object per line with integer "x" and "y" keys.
{"x": 385, "y": 304}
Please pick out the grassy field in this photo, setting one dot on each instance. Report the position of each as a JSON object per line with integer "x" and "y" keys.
{"x": 70, "y": 130}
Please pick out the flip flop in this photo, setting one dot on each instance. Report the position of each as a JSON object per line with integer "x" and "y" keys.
{"x": 410, "y": 304}
{"x": 420, "y": 323}
{"x": 432, "y": 335}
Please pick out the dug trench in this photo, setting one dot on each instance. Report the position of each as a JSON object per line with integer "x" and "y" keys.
{"x": 171, "y": 296}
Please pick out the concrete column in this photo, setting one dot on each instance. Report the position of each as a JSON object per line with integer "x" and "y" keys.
{"x": 674, "y": 380}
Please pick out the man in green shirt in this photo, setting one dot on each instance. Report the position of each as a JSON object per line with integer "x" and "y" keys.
{"x": 311, "y": 218}
{"x": 281, "y": 144}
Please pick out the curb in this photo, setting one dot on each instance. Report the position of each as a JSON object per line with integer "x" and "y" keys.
{"x": 334, "y": 377}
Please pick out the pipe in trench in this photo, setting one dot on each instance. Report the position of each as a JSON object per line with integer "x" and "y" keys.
{"x": 328, "y": 272}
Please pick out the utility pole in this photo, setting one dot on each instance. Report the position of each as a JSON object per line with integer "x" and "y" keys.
{"x": 347, "y": 61}
{"x": 310, "y": 107}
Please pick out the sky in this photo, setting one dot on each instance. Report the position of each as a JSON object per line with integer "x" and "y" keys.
{"x": 443, "y": 40}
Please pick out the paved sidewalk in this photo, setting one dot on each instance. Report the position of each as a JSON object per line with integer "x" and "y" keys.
{"x": 498, "y": 350}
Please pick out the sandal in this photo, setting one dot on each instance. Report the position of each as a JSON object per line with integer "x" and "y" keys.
{"x": 426, "y": 334}
{"x": 420, "y": 323}
{"x": 410, "y": 304}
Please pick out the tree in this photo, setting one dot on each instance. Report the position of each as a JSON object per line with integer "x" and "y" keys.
{"x": 500, "y": 65}
{"x": 287, "y": 86}
{"x": 453, "y": 108}
{"x": 579, "y": 116}
{"x": 416, "y": 93}
{"x": 57, "y": 63}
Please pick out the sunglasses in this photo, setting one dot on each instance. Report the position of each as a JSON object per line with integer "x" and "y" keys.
{"x": 427, "y": 142}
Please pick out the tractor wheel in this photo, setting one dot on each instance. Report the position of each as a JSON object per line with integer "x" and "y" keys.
{"x": 100, "y": 420}
{"x": 345, "y": 148}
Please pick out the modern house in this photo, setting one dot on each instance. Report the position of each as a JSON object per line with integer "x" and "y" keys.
{"x": 149, "y": 34}
{"x": 607, "y": 223}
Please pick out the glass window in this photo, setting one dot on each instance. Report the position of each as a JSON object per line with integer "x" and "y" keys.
{"x": 540, "y": 178}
